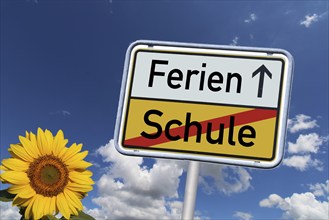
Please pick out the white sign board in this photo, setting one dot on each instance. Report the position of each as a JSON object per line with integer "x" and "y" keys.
{"x": 204, "y": 102}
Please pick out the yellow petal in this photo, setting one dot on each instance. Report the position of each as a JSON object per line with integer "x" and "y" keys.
{"x": 52, "y": 205}
{"x": 62, "y": 152}
{"x": 79, "y": 165}
{"x": 46, "y": 205}
{"x": 87, "y": 173}
{"x": 77, "y": 157}
{"x": 79, "y": 178}
{"x": 39, "y": 141}
{"x": 42, "y": 142}
{"x": 30, "y": 148}
{"x": 15, "y": 164}
{"x": 76, "y": 187}
{"x": 49, "y": 136}
{"x": 15, "y": 177}
{"x": 80, "y": 195}
{"x": 63, "y": 206}
{"x": 28, "y": 209}
{"x": 72, "y": 208}
{"x": 74, "y": 199}
{"x": 71, "y": 205}
{"x": 59, "y": 143}
{"x": 38, "y": 206}
{"x": 21, "y": 152}
{"x": 34, "y": 141}
{"x": 17, "y": 201}
{"x": 50, "y": 139}
{"x": 12, "y": 153}
{"x": 24, "y": 191}
{"x": 74, "y": 211}
{"x": 71, "y": 151}
{"x": 3, "y": 168}
{"x": 15, "y": 189}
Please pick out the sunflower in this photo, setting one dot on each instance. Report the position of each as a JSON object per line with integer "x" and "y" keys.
{"x": 46, "y": 176}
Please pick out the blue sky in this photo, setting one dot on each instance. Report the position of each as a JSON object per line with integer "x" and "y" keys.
{"x": 61, "y": 68}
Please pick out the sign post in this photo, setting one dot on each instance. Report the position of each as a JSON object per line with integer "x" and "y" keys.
{"x": 208, "y": 103}
{"x": 191, "y": 188}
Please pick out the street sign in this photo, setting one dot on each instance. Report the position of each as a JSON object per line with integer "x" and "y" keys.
{"x": 203, "y": 102}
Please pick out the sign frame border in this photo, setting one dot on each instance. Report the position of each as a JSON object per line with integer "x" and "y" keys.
{"x": 283, "y": 108}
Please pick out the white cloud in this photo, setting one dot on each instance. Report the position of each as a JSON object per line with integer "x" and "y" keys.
{"x": 309, "y": 143}
{"x": 151, "y": 192}
{"x": 271, "y": 201}
{"x": 243, "y": 215}
{"x": 61, "y": 112}
{"x": 309, "y": 20}
{"x": 8, "y": 211}
{"x": 226, "y": 179}
{"x": 234, "y": 41}
{"x": 301, "y": 122}
{"x": 299, "y": 206}
{"x": 303, "y": 162}
{"x": 65, "y": 113}
{"x": 320, "y": 189}
{"x": 301, "y": 152}
{"x": 252, "y": 17}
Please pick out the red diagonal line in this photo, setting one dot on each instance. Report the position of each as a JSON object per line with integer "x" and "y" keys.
{"x": 241, "y": 118}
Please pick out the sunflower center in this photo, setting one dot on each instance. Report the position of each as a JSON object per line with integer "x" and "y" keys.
{"x": 48, "y": 175}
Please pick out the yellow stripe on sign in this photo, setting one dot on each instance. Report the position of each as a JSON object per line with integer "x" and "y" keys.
{"x": 201, "y": 129}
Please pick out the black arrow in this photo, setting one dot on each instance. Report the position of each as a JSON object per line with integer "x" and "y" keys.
{"x": 261, "y": 70}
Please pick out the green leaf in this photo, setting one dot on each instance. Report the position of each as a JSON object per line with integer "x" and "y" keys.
{"x": 51, "y": 217}
{"x": 81, "y": 216}
{"x": 22, "y": 212}
{"x": 5, "y": 196}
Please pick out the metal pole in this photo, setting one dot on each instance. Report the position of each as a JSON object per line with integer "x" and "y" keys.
{"x": 191, "y": 187}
